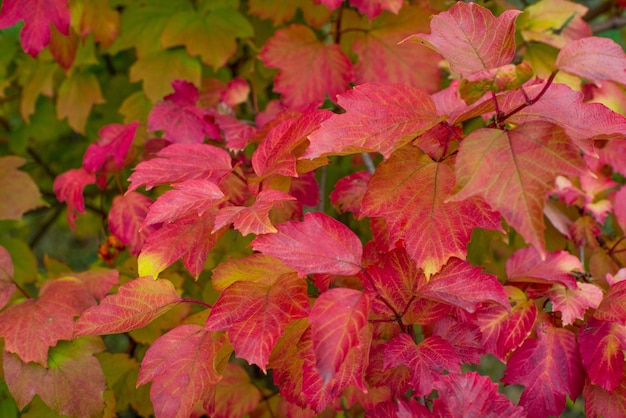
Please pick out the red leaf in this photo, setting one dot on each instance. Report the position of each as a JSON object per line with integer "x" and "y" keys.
{"x": 549, "y": 367}
{"x": 179, "y": 118}
{"x": 31, "y": 327}
{"x": 514, "y": 171}
{"x": 37, "y": 16}
{"x": 69, "y": 187}
{"x": 526, "y": 265}
{"x": 280, "y": 149}
{"x": 309, "y": 69}
{"x": 179, "y": 162}
{"x": 113, "y": 146}
{"x": 602, "y": 403}
{"x": 126, "y": 218}
{"x": 612, "y": 308}
{"x": 602, "y": 347}
{"x": 379, "y": 117}
{"x": 465, "y": 338}
{"x": 183, "y": 365}
{"x": 336, "y": 319}
{"x": 189, "y": 238}
{"x": 593, "y": 58}
{"x": 471, "y": 38}
{"x": 256, "y": 314}
{"x": 252, "y": 219}
{"x": 426, "y": 360}
{"x": 573, "y": 303}
{"x": 191, "y": 197}
{"x": 349, "y": 192}
{"x": 134, "y": 306}
{"x": 237, "y": 133}
{"x": 319, "y": 244}
{"x": 372, "y": 8}
{"x": 7, "y": 286}
{"x": 410, "y": 191}
{"x": 472, "y": 395}
{"x": 98, "y": 281}
{"x": 71, "y": 383}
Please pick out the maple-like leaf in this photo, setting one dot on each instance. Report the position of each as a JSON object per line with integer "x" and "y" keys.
{"x": 426, "y": 360}
{"x": 410, "y": 191}
{"x": 309, "y": 69}
{"x": 594, "y": 58}
{"x": 319, "y": 244}
{"x": 554, "y": 22}
{"x": 179, "y": 118}
{"x": 471, "y": 38}
{"x": 464, "y": 336}
{"x": 31, "y": 327}
{"x": 183, "y": 365}
{"x": 255, "y": 314}
{"x": 179, "y": 162}
{"x": 257, "y": 268}
{"x": 69, "y": 187}
{"x": 37, "y": 16}
{"x": 7, "y": 286}
{"x": 601, "y": 350}
{"x": 237, "y": 133}
{"x": 126, "y": 218}
{"x": 279, "y": 151}
{"x": 612, "y": 308}
{"x": 515, "y": 170}
{"x": 336, "y": 319}
{"x": 379, "y": 117}
{"x": 191, "y": 197}
{"x": 63, "y": 47}
{"x": 235, "y": 394}
{"x": 76, "y": 96}
{"x": 474, "y": 395}
{"x": 189, "y": 237}
{"x": 113, "y": 146}
{"x": 549, "y": 367}
{"x": 71, "y": 383}
{"x": 98, "y": 18}
{"x": 602, "y": 403}
{"x": 252, "y": 219}
{"x": 572, "y": 303}
{"x": 18, "y": 191}
{"x": 503, "y": 331}
{"x": 526, "y": 265}
{"x": 135, "y": 304}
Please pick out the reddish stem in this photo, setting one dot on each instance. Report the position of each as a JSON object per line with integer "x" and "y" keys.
{"x": 397, "y": 317}
{"x": 532, "y": 101}
{"x": 198, "y": 302}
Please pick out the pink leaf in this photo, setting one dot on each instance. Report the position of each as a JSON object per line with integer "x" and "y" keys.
{"x": 349, "y": 192}
{"x": 593, "y": 58}
{"x": 113, "y": 145}
{"x": 527, "y": 266}
{"x": 373, "y": 8}
{"x": 126, "y": 218}
{"x": 572, "y": 303}
{"x": 69, "y": 187}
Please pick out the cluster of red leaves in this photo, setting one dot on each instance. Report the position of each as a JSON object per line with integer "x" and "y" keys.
{"x": 389, "y": 321}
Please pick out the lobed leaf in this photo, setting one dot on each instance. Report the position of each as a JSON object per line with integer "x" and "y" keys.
{"x": 112, "y": 147}
{"x": 527, "y": 266}
{"x": 602, "y": 346}
{"x": 68, "y": 187}
{"x": 612, "y": 308}
{"x": 572, "y": 303}
{"x": 126, "y": 217}
{"x": 18, "y": 191}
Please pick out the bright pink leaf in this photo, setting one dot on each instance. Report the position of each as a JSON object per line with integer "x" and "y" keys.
{"x": 410, "y": 191}
{"x": 31, "y": 327}
{"x": 134, "y": 306}
{"x": 179, "y": 118}
{"x": 474, "y": 395}
{"x": 593, "y": 58}
{"x": 7, "y": 286}
{"x": 309, "y": 69}
{"x": 336, "y": 320}
{"x": 471, "y": 38}
{"x": 613, "y": 308}
{"x": 549, "y": 367}
{"x": 113, "y": 146}
{"x": 189, "y": 238}
{"x": 379, "y": 117}
{"x": 191, "y": 197}
{"x": 373, "y": 8}
{"x": 179, "y": 162}
{"x": 319, "y": 244}
{"x": 526, "y": 265}
{"x": 572, "y": 303}
{"x": 182, "y": 366}
{"x": 126, "y": 218}
{"x": 37, "y": 16}
{"x": 426, "y": 360}
{"x": 69, "y": 187}
{"x": 349, "y": 192}
{"x": 252, "y": 219}
{"x": 602, "y": 347}
{"x": 256, "y": 314}
{"x": 515, "y": 170}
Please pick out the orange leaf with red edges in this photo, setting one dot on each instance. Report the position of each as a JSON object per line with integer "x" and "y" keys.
{"x": 410, "y": 191}
{"x": 549, "y": 367}
{"x": 471, "y": 38}
{"x": 336, "y": 320}
{"x": 379, "y": 117}
{"x": 183, "y": 366}
{"x": 319, "y": 244}
{"x": 602, "y": 347}
{"x": 308, "y": 68}
{"x": 134, "y": 306}
{"x": 515, "y": 170}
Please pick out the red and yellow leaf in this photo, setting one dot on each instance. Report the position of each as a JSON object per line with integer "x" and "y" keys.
{"x": 554, "y": 22}
{"x": 572, "y": 303}
{"x": 602, "y": 347}
{"x": 612, "y": 308}
{"x": 604, "y": 403}
{"x": 527, "y": 266}
{"x": 257, "y": 268}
